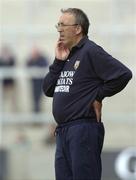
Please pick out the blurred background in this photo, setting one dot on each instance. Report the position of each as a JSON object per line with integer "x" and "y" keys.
{"x": 27, "y": 41}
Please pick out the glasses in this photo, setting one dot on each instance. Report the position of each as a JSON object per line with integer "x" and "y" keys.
{"x": 61, "y": 25}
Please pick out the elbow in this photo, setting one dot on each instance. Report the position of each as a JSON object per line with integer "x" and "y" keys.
{"x": 126, "y": 78}
{"x": 47, "y": 90}
{"x": 128, "y": 75}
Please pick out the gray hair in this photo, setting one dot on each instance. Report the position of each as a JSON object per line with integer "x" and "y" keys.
{"x": 81, "y": 18}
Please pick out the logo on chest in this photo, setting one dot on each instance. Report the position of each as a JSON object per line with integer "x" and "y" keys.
{"x": 76, "y": 65}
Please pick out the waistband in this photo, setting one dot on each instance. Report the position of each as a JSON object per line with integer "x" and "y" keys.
{"x": 75, "y": 122}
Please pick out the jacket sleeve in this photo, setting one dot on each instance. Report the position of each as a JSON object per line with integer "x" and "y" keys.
{"x": 113, "y": 74}
{"x": 52, "y": 76}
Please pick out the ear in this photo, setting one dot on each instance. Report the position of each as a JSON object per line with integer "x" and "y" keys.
{"x": 78, "y": 29}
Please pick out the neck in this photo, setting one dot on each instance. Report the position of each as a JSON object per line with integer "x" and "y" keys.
{"x": 75, "y": 42}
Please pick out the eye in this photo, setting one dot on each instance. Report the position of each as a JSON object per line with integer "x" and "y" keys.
{"x": 60, "y": 24}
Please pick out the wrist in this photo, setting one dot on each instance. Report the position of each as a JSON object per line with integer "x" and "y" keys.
{"x": 59, "y": 61}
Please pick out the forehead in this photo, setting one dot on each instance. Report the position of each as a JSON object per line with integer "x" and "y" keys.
{"x": 67, "y": 17}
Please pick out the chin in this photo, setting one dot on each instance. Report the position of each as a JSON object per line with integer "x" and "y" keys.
{"x": 65, "y": 43}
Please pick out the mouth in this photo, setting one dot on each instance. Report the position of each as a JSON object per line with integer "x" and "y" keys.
{"x": 61, "y": 37}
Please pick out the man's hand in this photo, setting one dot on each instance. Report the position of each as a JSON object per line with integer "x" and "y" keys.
{"x": 61, "y": 52}
{"x": 97, "y": 108}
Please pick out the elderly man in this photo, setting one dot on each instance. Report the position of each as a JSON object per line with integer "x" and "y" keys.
{"x": 81, "y": 76}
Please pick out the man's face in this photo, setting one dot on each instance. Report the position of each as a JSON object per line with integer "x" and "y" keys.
{"x": 67, "y": 29}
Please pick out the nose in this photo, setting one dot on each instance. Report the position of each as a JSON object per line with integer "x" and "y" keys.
{"x": 59, "y": 29}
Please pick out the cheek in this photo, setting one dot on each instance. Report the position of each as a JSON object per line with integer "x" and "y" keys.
{"x": 70, "y": 34}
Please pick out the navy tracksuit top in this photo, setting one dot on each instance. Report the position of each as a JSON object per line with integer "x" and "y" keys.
{"x": 88, "y": 74}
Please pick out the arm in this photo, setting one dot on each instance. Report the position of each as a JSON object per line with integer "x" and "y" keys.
{"x": 49, "y": 83}
{"x": 113, "y": 74}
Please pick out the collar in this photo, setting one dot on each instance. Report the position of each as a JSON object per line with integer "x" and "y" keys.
{"x": 81, "y": 43}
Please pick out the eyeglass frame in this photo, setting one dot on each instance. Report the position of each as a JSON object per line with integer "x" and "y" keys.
{"x": 61, "y": 25}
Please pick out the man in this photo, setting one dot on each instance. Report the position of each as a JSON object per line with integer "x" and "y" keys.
{"x": 8, "y": 60}
{"x": 82, "y": 75}
{"x": 37, "y": 59}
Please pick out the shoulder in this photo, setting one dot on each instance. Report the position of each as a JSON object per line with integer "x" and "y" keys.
{"x": 93, "y": 48}
{"x": 92, "y": 45}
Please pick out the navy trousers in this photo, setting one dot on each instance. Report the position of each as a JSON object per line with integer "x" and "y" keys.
{"x": 78, "y": 150}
